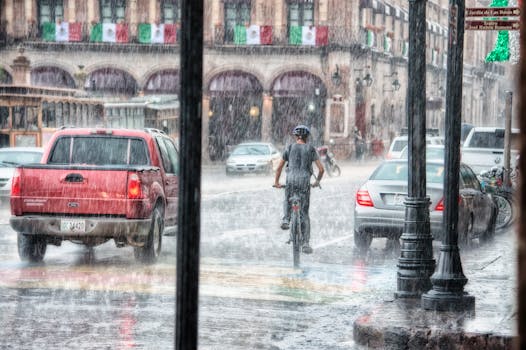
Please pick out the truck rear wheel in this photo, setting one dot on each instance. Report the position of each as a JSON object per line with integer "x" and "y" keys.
{"x": 31, "y": 248}
{"x": 150, "y": 252}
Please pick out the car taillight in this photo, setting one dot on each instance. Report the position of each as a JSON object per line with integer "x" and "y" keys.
{"x": 440, "y": 204}
{"x": 15, "y": 183}
{"x": 363, "y": 198}
{"x": 134, "y": 187}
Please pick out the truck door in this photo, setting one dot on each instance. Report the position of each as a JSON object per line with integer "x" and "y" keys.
{"x": 170, "y": 160}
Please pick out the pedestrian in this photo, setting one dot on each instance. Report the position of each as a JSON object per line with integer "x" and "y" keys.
{"x": 359, "y": 144}
{"x": 299, "y": 157}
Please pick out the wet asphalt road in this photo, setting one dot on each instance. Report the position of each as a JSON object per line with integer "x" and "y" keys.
{"x": 250, "y": 296}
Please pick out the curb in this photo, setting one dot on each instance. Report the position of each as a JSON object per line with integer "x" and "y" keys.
{"x": 404, "y": 325}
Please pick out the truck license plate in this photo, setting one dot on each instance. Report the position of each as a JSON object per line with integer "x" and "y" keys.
{"x": 72, "y": 225}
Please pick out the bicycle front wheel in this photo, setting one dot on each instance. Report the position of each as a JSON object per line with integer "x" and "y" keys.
{"x": 505, "y": 212}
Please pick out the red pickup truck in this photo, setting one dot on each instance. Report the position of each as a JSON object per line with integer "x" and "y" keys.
{"x": 93, "y": 185}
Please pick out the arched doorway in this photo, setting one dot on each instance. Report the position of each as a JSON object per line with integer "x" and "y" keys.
{"x": 235, "y": 111}
{"x": 163, "y": 82}
{"x": 111, "y": 81}
{"x": 53, "y": 77}
{"x": 298, "y": 98}
{"x": 5, "y": 77}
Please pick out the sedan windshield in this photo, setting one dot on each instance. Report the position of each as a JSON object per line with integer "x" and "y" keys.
{"x": 20, "y": 157}
{"x": 397, "y": 171}
{"x": 251, "y": 150}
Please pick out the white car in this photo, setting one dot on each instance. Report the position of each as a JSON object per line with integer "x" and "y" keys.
{"x": 400, "y": 142}
{"x": 10, "y": 157}
{"x": 253, "y": 157}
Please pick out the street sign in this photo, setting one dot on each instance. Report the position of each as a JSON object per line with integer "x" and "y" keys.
{"x": 492, "y": 25}
{"x": 493, "y": 12}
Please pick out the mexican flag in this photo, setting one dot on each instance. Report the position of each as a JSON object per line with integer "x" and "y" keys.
{"x": 253, "y": 35}
{"x": 309, "y": 35}
{"x": 157, "y": 33}
{"x": 63, "y": 31}
{"x": 370, "y": 39}
{"x": 109, "y": 33}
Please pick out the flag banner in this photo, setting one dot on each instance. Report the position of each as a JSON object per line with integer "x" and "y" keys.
{"x": 387, "y": 44}
{"x": 252, "y": 35}
{"x": 109, "y": 33}
{"x": 308, "y": 35}
{"x": 61, "y": 32}
{"x": 156, "y": 33}
{"x": 370, "y": 39}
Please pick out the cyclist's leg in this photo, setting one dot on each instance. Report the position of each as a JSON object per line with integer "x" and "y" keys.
{"x": 305, "y": 225}
{"x": 286, "y": 209}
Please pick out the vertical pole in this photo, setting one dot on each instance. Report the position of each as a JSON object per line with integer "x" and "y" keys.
{"x": 507, "y": 139}
{"x": 521, "y": 237}
{"x": 188, "y": 237}
{"x": 449, "y": 280}
{"x": 416, "y": 263}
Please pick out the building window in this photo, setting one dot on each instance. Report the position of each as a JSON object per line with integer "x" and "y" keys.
{"x": 50, "y": 11}
{"x": 301, "y": 13}
{"x": 236, "y": 13}
{"x": 170, "y": 11}
{"x": 112, "y": 11}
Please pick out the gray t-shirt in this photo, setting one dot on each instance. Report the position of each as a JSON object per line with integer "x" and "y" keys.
{"x": 299, "y": 158}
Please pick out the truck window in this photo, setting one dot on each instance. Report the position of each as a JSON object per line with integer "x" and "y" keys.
{"x": 99, "y": 151}
{"x": 168, "y": 155}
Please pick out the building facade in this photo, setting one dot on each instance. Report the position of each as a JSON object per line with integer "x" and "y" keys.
{"x": 269, "y": 64}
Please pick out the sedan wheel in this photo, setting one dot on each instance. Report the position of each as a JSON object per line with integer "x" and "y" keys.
{"x": 362, "y": 240}
{"x": 465, "y": 238}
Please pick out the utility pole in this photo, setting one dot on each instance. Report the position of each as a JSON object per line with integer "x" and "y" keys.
{"x": 416, "y": 263}
{"x": 449, "y": 280}
{"x": 507, "y": 140}
{"x": 189, "y": 229}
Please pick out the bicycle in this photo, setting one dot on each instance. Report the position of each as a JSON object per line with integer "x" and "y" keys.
{"x": 296, "y": 234}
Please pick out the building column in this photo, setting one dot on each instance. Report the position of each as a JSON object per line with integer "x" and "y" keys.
{"x": 9, "y": 16}
{"x": 91, "y": 11}
{"x": 153, "y": 11}
{"x": 205, "y": 116}
{"x": 133, "y": 19}
{"x": 266, "y": 118}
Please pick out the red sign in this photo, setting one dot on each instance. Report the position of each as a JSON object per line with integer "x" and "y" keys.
{"x": 493, "y": 12}
{"x": 492, "y": 25}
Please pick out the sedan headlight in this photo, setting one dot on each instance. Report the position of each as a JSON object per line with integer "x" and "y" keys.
{"x": 262, "y": 160}
{"x": 230, "y": 162}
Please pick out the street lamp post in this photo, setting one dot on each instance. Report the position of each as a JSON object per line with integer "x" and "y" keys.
{"x": 416, "y": 263}
{"x": 449, "y": 280}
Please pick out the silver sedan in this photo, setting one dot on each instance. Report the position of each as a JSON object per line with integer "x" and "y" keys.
{"x": 380, "y": 210}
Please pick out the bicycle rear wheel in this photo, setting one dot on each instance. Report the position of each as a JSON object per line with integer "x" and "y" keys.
{"x": 295, "y": 232}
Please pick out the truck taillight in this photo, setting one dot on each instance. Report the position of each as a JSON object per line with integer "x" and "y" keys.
{"x": 15, "y": 183}
{"x": 134, "y": 187}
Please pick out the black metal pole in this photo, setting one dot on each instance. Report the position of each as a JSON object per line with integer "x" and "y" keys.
{"x": 188, "y": 238}
{"x": 449, "y": 280}
{"x": 416, "y": 262}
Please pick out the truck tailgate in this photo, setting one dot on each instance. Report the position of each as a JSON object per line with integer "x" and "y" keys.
{"x": 74, "y": 191}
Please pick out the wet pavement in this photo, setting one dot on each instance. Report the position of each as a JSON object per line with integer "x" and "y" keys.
{"x": 250, "y": 296}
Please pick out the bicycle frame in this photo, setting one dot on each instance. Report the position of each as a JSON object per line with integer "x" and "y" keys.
{"x": 296, "y": 233}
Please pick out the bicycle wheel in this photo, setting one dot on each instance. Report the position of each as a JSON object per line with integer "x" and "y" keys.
{"x": 505, "y": 212}
{"x": 295, "y": 232}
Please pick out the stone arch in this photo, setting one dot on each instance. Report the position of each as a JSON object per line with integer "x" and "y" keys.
{"x": 299, "y": 97}
{"x": 111, "y": 81}
{"x": 5, "y": 76}
{"x": 164, "y": 81}
{"x": 52, "y": 76}
{"x": 236, "y": 99}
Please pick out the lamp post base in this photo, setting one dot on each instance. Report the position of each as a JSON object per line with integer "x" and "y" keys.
{"x": 447, "y": 301}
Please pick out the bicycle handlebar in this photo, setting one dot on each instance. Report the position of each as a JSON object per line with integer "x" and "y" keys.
{"x": 285, "y": 186}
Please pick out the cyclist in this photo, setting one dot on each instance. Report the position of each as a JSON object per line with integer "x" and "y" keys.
{"x": 299, "y": 157}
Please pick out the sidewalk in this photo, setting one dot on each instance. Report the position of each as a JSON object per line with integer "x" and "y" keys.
{"x": 491, "y": 273}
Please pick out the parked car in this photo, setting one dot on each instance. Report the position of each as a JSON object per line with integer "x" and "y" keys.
{"x": 380, "y": 210}
{"x": 253, "y": 157}
{"x": 400, "y": 142}
{"x": 10, "y": 157}
{"x": 432, "y": 152}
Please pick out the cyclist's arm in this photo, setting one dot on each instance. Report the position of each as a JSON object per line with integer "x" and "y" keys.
{"x": 278, "y": 172}
{"x": 320, "y": 172}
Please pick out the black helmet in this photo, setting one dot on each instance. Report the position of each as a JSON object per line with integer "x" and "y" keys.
{"x": 301, "y": 130}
